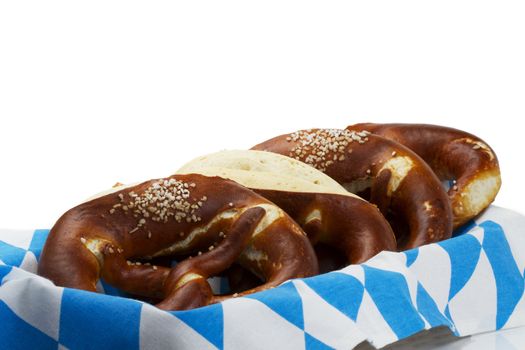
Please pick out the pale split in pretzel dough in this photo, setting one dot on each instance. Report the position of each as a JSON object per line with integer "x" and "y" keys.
{"x": 291, "y": 184}
{"x": 399, "y": 168}
{"x": 477, "y": 195}
{"x": 273, "y": 213}
{"x": 264, "y": 170}
{"x": 256, "y": 169}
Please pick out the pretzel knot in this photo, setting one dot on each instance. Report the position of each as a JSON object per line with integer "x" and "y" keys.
{"x": 118, "y": 236}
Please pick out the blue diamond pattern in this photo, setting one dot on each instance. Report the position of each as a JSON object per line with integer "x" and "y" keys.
{"x": 284, "y": 300}
{"x": 15, "y": 333}
{"x": 39, "y": 238}
{"x": 343, "y": 291}
{"x": 389, "y": 292}
{"x": 464, "y": 255}
{"x": 509, "y": 281}
{"x": 411, "y": 256}
{"x": 81, "y": 325}
{"x": 207, "y": 321}
{"x": 92, "y": 320}
{"x": 312, "y": 343}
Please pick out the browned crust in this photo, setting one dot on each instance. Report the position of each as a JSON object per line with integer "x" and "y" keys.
{"x": 419, "y": 199}
{"x": 68, "y": 262}
{"x": 350, "y": 225}
{"x": 340, "y": 220}
{"x": 453, "y": 155}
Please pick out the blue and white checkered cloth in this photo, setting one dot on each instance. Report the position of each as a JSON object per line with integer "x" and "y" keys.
{"x": 471, "y": 283}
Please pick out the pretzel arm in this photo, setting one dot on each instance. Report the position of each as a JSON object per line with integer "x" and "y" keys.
{"x": 276, "y": 256}
{"x": 379, "y": 191}
{"x": 144, "y": 280}
{"x": 190, "y": 275}
{"x": 314, "y": 229}
{"x": 355, "y": 228}
{"x": 348, "y": 224}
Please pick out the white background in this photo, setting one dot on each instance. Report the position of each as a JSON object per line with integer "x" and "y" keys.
{"x": 96, "y": 92}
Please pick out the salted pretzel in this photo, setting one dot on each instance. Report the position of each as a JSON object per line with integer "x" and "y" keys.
{"x": 325, "y": 210}
{"x": 218, "y": 221}
{"x": 401, "y": 184}
{"x": 454, "y": 155}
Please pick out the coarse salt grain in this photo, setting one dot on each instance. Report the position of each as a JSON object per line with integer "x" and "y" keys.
{"x": 320, "y": 148}
{"x": 162, "y": 200}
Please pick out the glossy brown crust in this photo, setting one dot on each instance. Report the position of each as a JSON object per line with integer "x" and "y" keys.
{"x": 452, "y": 154}
{"x": 419, "y": 199}
{"x": 350, "y": 225}
{"x": 67, "y": 261}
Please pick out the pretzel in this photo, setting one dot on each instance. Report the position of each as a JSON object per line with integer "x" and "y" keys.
{"x": 216, "y": 220}
{"x": 401, "y": 184}
{"x": 324, "y": 209}
{"x": 455, "y": 156}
